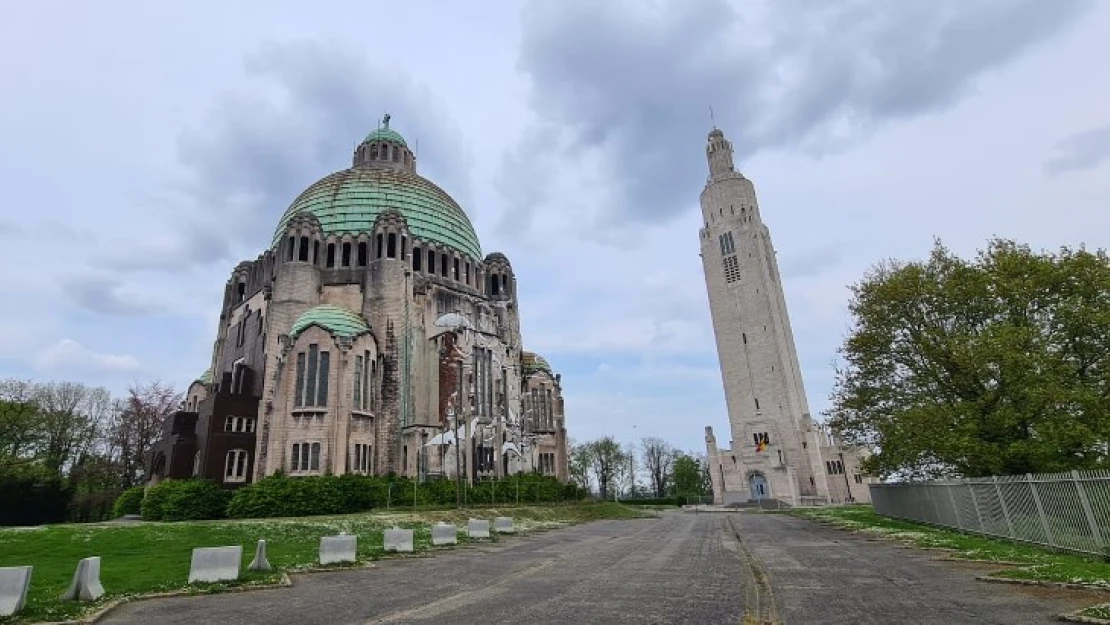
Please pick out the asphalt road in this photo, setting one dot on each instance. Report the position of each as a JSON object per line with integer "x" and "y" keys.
{"x": 681, "y": 568}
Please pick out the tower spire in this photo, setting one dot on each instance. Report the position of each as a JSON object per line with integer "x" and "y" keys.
{"x": 719, "y": 154}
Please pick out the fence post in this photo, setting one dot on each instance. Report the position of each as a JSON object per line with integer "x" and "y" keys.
{"x": 1005, "y": 509}
{"x": 1087, "y": 509}
{"x": 1040, "y": 510}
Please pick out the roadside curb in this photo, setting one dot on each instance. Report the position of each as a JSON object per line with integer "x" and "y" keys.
{"x": 1043, "y": 584}
{"x": 1076, "y": 617}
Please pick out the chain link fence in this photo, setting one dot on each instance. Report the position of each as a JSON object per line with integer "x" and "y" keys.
{"x": 1064, "y": 511}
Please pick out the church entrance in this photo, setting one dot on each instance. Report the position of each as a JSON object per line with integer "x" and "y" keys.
{"x": 759, "y": 487}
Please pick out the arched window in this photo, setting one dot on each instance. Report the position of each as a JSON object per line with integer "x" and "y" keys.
{"x": 347, "y": 254}
{"x": 235, "y": 466}
{"x": 362, "y": 253}
{"x": 303, "y": 250}
{"x": 391, "y": 251}
{"x": 374, "y": 152}
{"x": 331, "y": 255}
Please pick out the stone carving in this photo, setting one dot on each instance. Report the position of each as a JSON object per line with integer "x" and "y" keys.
{"x": 260, "y": 562}
{"x": 477, "y": 528}
{"x": 444, "y": 534}
{"x": 14, "y": 582}
{"x": 215, "y": 564}
{"x": 504, "y": 525}
{"x": 86, "y": 581}
{"x": 336, "y": 549}
{"x": 398, "y": 540}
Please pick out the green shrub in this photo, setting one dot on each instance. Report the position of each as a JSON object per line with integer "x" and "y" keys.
{"x": 91, "y": 507}
{"x": 130, "y": 502}
{"x": 185, "y": 500}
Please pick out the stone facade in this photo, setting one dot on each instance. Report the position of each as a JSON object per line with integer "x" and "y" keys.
{"x": 372, "y": 337}
{"x": 777, "y": 450}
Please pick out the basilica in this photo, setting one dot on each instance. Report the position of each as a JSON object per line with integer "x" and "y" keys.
{"x": 372, "y": 337}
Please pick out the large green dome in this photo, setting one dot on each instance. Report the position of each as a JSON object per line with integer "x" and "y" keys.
{"x": 350, "y": 201}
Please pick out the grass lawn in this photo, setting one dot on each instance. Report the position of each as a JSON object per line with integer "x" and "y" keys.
{"x": 1038, "y": 564}
{"x": 152, "y": 557}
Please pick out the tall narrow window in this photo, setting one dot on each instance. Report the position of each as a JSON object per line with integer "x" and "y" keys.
{"x": 373, "y": 385}
{"x": 315, "y": 252}
{"x": 291, "y": 250}
{"x": 417, "y": 258}
{"x": 346, "y": 254}
{"x": 468, "y": 274}
{"x": 310, "y": 381}
{"x": 431, "y": 262}
{"x": 391, "y": 245}
{"x": 325, "y": 370}
{"x": 456, "y": 269}
{"x": 330, "y": 261}
{"x": 295, "y": 458}
{"x": 757, "y": 403}
{"x": 315, "y": 460}
{"x": 443, "y": 265}
{"x": 303, "y": 252}
{"x": 366, "y": 381}
{"x": 304, "y": 456}
{"x": 381, "y": 247}
{"x": 299, "y": 401}
{"x": 362, "y": 255}
{"x": 357, "y": 385}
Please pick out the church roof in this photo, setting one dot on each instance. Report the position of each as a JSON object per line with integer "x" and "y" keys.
{"x": 350, "y": 201}
{"x": 338, "y": 321}
{"x": 531, "y": 363}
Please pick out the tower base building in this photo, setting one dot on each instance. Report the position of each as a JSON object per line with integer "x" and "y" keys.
{"x": 777, "y": 450}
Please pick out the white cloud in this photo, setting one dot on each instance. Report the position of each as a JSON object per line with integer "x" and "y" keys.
{"x": 69, "y": 356}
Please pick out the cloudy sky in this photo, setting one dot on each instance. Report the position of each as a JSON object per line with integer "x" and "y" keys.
{"x": 148, "y": 147}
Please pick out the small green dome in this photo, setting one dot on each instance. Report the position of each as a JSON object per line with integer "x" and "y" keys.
{"x": 338, "y": 321}
{"x": 206, "y": 377}
{"x": 385, "y": 134}
{"x": 350, "y": 201}
{"x": 532, "y": 363}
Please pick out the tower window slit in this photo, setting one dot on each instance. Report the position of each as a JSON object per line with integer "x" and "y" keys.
{"x": 417, "y": 258}
{"x": 404, "y": 247}
{"x": 347, "y": 254}
{"x": 443, "y": 265}
{"x": 378, "y": 253}
{"x": 291, "y": 249}
{"x": 455, "y": 268}
{"x": 330, "y": 260}
{"x": 431, "y": 262}
{"x": 757, "y": 403}
{"x": 303, "y": 252}
{"x": 391, "y": 249}
{"x": 315, "y": 252}
{"x": 362, "y": 253}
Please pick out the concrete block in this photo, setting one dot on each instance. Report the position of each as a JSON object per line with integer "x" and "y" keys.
{"x": 444, "y": 534}
{"x": 86, "y": 581}
{"x": 504, "y": 525}
{"x": 399, "y": 540}
{"x": 215, "y": 564}
{"x": 14, "y": 582}
{"x": 260, "y": 562}
{"x": 336, "y": 549}
{"x": 477, "y": 528}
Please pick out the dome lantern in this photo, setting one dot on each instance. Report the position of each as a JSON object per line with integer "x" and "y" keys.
{"x": 386, "y": 148}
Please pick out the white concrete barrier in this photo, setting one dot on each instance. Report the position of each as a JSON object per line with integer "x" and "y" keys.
{"x": 399, "y": 540}
{"x": 215, "y": 564}
{"x": 444, "y": 534}
{"x": 14, "y": 582}
{"x": 260, "y": 562}
{"x": 336, "y": 549}
{"x": 477, "y": 528}
{"x": 504, "y": 525}
{"x": 86, "y": 582}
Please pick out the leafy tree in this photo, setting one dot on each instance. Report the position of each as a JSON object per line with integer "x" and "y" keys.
{"x": 607, "y": 460}
{"x": 580, "y": 461}
{"x": 1000, "y": 365}
{"x": 689, "y": 476}
{"x": 138, "y": 424}
{"x": 658, "y": 458}
{"x": 20, "y": 434}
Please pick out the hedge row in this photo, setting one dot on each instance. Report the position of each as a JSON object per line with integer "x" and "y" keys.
{"x": 279, "y": 496}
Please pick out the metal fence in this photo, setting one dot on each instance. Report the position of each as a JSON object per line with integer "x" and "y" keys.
{"x": 1065, "y": 511}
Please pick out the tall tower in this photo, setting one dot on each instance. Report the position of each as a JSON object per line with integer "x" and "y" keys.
{"x": 775, "y": 446}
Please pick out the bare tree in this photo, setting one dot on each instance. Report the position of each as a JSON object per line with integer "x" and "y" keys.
{"x": 138, "y": 424}
{"x": 658, "y": 459}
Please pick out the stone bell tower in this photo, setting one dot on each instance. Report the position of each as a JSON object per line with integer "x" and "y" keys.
{"x": 772, "y": 455}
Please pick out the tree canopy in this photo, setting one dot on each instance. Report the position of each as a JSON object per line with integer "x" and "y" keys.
{"x": 998, "y": 365}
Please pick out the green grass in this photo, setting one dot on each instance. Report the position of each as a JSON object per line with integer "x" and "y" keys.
{"x": 154, "y": 557}
{"x": 1101, "y": 610}
{"x": 1036, "y": 563}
